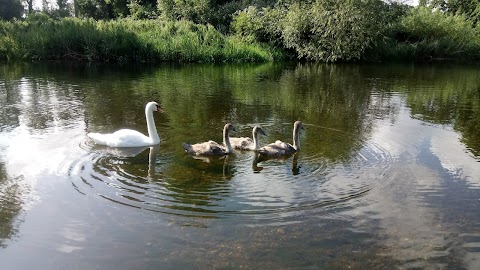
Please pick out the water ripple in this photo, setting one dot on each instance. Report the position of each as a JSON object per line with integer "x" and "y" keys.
{"x": 238, "y": 186}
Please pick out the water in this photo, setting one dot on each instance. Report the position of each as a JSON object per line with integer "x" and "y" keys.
{"x": 388, "y": 175}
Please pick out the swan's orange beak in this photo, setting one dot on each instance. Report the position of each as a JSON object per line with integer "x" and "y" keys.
{"x": 159, "y": 109}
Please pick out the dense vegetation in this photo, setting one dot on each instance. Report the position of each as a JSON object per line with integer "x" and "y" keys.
{"x": 124, "y": 40}
{"x": 240, "y": 30}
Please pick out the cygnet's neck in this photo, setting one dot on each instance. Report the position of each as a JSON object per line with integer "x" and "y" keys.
{"x": 255, "y": 139}
{"x": 152, "y": 129}
{"x": 226, "y": 140}
{"x": 296, "y": 138}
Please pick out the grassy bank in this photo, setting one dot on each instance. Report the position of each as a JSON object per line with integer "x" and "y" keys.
{"x": 124, "y": 40}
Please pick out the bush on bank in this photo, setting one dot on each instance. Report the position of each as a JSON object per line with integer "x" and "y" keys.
{"x": 360, "y": 30}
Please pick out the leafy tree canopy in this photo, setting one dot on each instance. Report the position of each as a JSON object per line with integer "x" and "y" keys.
{"x": 469, "y": 8}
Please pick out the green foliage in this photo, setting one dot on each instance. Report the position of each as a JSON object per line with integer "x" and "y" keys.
{"x": 425, "y": 33}
{"x": 214, "y": 12}
{"x": 323, "y": 30}
{"x": 194, "y": 10}
{"x": 125, "y": 40}
{"x": 96, "y": 9}
{"x": 260, "y": 24}
{"x": 10, "y": 9}
{"x": 470, "y": 9}
{"x": 314, "y": 30}
{"x": 39, "y": 18}
{"x": 141, "y": 11}
{"x": 423, "y": 23}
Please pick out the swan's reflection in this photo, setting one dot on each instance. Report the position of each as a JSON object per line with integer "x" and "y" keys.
{"x": 123, "y": 152}
{"x": 261, "y": 158}
{"x": 214, "y": 160}
{"x": 129, "y": 152}
{"x": 152, "y": 160}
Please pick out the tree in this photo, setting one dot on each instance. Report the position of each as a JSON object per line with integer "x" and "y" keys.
{"x": 469, "y": 8}
{"x": 97, "y": 9}
{"x": 10, "y": 9}
{"x": 29, "y": 6}
{"x": 75, "y": 8}
{"x": 321, "y": 30}
{"x": 62, "y": 4}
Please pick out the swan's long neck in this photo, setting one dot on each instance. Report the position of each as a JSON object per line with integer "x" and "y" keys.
{"x": 296, "y": 138}
{"x": 255, "y": 139}
{"x": 226, "y": 140}
{"x": 152, "y": 130}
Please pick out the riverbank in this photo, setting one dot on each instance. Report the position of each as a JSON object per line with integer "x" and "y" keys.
{"x": 124, "y": 41}
{"x": 256, "y": 35}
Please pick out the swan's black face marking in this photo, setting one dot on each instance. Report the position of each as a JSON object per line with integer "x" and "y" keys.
{"x": 159, "y": 108}
{"x": 260, "y": 131}
{"x": 231, "y": 128}
{"x": 299, "y": 125}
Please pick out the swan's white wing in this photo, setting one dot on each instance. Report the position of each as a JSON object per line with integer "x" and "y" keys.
{"x": 98, "y": 138}
{"x": 121, "y": 138}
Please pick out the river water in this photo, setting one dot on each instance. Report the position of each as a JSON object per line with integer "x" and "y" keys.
{"x": 388, "y": 175}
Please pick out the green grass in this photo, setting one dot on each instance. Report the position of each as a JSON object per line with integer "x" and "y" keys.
{"x": 125, "y": 40}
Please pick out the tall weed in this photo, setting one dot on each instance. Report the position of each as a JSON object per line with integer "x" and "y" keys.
{"x": 123, "y": 40}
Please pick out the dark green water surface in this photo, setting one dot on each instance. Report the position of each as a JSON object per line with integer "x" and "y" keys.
{"x": 388, "y": 176}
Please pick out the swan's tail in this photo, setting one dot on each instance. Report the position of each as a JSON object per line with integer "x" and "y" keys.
{"x": 188, "y": 148}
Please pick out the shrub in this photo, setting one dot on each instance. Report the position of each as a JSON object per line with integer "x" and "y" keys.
{"x": 323, "y": 30}
{"x": 426, "y": 33}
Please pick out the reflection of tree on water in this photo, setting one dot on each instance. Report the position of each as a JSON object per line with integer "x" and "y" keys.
{"x": 11, "y": 191}
{"x": 9, "y": 96}
{"x": 453, "y": 99}
{"x": 203, "y": 184}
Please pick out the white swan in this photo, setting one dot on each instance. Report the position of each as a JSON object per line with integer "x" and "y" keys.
{"x": 212, "y": 148}
{"x": 129, "y": 137}
{"x": 280, "y": 148}
{"x": 246, "y": 143}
